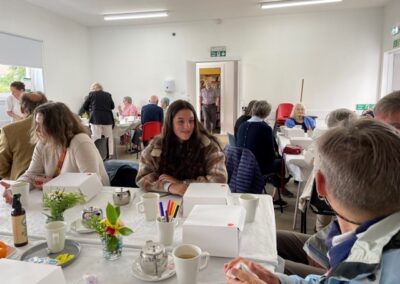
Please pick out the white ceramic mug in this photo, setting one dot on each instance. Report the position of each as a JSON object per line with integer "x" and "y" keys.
{"x": 250, "y": 203}
{"x": 55, "y": 236}
{"x": 187, "y": 260}
{"x": 149, "y": 205}
{"x": 166, "y": 231}
{"x": 22, "y": 188}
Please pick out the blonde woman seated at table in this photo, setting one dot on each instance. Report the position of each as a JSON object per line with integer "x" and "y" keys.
{"x": 184, "y": 152}
{"x": 63, "y": 145}
{"x": 127, "y": 108}
{"x": 298, "y": 118}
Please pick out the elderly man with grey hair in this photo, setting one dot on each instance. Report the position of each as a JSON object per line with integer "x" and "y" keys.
{"x": 358, "y": 175}
{"x": 388, "y": 109}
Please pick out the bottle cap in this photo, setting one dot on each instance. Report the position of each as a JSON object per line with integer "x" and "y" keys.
{"x": 16, "y": 204}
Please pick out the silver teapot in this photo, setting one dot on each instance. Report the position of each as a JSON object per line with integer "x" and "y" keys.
{"x": 88, "y": 213}
{"x": 153, "y": 258}
{"x": 121, "y": 196}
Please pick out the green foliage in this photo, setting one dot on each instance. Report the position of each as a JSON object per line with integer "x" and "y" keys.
{"x": 14, "y": 73}
{"x": 58, "y": 201}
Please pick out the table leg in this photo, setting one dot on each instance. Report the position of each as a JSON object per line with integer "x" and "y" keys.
{"x": 296, "y": 205}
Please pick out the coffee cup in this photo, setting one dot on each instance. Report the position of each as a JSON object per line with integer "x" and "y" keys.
{"x": 187, "y": 260}
{"x": 149, "y": 205}
{"x": 250, "y": 203}
{"x": 22, "y": 188}
{"x": 55, "y": 236}
{"x": 166, "y": 231}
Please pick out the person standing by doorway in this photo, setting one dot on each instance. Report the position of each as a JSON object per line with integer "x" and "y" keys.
{"x": 209, "y": 103}
{"x": 14, "y": 101}
{"x": 100, "y": 105}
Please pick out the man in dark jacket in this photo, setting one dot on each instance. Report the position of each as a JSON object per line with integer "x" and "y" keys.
{"x": 100, "y": 105}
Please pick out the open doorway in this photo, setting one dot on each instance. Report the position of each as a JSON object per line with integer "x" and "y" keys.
{"x": 209, "y": 100}
{"x": 223, "y": 76}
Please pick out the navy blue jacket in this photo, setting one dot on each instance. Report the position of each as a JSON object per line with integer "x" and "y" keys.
{"x": 152, "y": 112}
{"x": 258, "y": 138}
{"x": 244, "y": 174}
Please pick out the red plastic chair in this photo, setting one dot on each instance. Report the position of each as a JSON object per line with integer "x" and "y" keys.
{"x": 150, "y": 129}
{"x": 282, "y": 113}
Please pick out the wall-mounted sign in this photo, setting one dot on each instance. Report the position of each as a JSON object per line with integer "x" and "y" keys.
{"x": 218, "y": 51}
{"x": 364, "y": 106}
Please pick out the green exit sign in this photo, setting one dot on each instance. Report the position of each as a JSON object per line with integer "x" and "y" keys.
{"x": 364, "y": 106}
{"x": 218, "y": 51}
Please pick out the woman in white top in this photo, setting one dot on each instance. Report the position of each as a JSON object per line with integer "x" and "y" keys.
{"x": 14, "y": 101}
{"x": 63, "y": 145}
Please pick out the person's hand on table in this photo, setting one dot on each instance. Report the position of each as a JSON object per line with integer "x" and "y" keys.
{"x": 39, "y": 181}
{"x": 6, "y": 193}
{"x": 168, "y": 178}
{"x": 242, "y": 276}
{"x": 176, "y": 187}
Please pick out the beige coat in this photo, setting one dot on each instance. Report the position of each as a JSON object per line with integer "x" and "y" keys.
{"x": 15, "y": 148}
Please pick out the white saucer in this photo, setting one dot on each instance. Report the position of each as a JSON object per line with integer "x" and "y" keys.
{"x": 78, "y": 227}
{"x": 138, "y": 272}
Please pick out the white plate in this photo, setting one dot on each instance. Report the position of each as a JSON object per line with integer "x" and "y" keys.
{"x": 78, "y": 227}
{"x": 138, "y": 272}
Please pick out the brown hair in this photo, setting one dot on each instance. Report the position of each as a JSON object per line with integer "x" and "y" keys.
{"x": 183, "y": 160}
{"x": 361, "y": 164}
{"x": 389, "y": 104}
{"x": 59, "y": 123}
{"x": 30, "y": 101}
{"x": 261, "y": 109}
{"x": 18, "y": 85}
{"x": 249, "y": 108}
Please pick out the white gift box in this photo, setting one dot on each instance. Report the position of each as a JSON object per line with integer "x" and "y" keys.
{"x": 22, "y": 272}
{"x": 204, "y": 193}
{"x": 293, "y": 132}
{"x": 87, "y": 183}
{"x": 303, "y": 142}
{"x": 215, "y": 228}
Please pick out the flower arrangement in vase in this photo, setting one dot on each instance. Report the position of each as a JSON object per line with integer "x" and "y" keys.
{"x": 110, "y": 230}
{"x": 57, "y": 201}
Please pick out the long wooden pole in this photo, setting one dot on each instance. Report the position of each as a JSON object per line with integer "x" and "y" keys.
{"x": 301, "y": 93}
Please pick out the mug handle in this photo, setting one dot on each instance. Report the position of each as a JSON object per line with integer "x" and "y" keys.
{"x": 206, "y": 256}
{"x": 140, "y": 207}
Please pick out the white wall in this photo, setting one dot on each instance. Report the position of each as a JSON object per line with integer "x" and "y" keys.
{"x": 391, "y": 19}
{"x": 337, "y": 53}
{"x": 65, "y": 48}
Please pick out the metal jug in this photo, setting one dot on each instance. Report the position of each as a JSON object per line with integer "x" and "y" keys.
{"x": 88, "y": 213}
{"x": 153, "y": 258}
{"x": 121, "y": 196}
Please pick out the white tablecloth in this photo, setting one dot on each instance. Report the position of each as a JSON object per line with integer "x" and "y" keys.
{"x": 257, "y": 241}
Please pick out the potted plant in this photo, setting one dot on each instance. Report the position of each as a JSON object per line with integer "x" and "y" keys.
{"x": 110, "y": 230}
{"x": 57, "y": 201}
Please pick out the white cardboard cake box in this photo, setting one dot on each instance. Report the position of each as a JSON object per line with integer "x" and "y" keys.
{"x": 88, "y": 183}
{"x": 204, "y": 193}
{"x": 22, "y": 272}
{"x": 303, "y": 142}
{"x": 215, "y": 229}
{"x": 293, "y": 132}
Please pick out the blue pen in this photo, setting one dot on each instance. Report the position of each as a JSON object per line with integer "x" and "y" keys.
{"x": 161, "y": 210}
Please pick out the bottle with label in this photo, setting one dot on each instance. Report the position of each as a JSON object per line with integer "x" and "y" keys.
{"x": 18, "y": 219}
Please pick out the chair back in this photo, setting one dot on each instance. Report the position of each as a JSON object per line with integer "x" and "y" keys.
{"x": 317, "y": 205}
{"x": 125, "y": 177}
{"x": 150, "y": 130}
{"x": 282, "y": 113}
{"x": 244, "y": 174}
{"x": 231, "y": 139}
{"x": 102, "y": 146}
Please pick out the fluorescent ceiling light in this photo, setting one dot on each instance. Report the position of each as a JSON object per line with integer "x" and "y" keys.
{"x": 141, "y": 15}
{"x": 281, "y": 4}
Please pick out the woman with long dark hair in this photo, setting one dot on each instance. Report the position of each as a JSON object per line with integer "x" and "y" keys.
{"x": 184, "y": 152}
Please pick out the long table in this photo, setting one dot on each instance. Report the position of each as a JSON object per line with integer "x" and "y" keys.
{"x": 257, "y": 241}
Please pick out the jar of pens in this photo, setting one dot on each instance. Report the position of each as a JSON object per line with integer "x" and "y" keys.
{"x": 167, "y": 222}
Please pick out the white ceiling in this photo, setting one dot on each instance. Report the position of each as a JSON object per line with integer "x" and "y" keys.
{"x": 89, "y": 12}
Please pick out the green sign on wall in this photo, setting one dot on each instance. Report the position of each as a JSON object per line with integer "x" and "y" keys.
{"x": 364, "y": 106}
{"x": 218, "y": 51}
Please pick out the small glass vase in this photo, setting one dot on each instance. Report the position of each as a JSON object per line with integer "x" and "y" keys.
{"x": 112, "y": 247}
